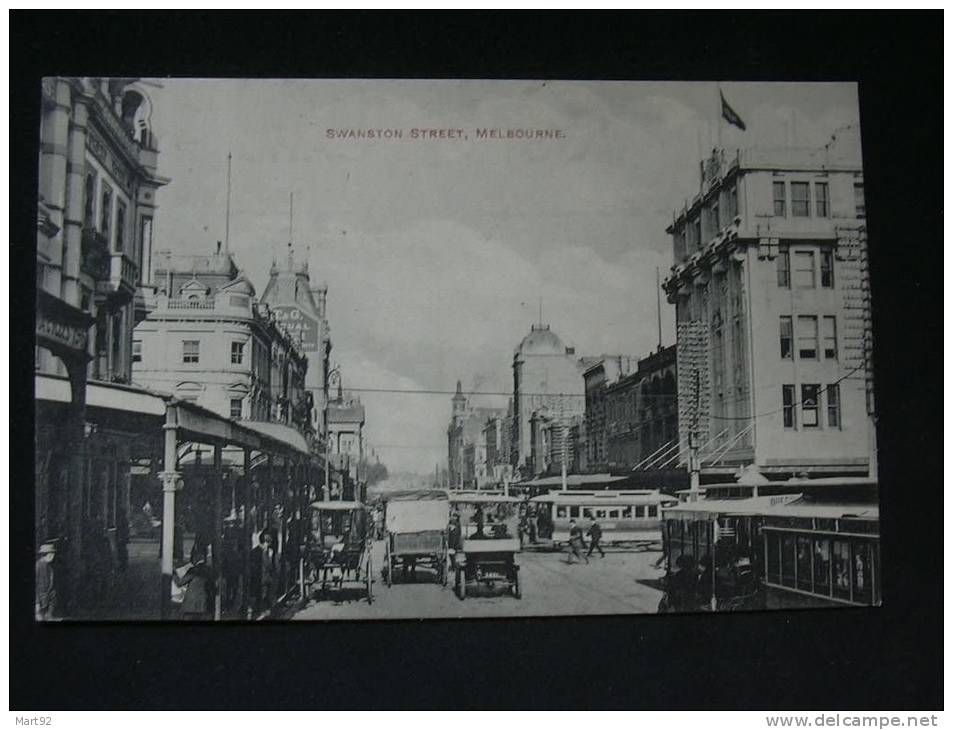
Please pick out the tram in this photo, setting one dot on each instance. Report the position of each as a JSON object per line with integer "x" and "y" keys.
{"x": 633, "y": 516}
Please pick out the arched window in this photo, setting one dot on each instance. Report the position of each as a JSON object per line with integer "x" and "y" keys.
{"x": 105, "y": 212}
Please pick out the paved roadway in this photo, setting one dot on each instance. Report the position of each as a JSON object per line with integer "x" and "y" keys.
{"x": 622, "y": 582}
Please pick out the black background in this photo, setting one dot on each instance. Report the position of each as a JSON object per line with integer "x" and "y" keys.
{"x": 883, "y": 658}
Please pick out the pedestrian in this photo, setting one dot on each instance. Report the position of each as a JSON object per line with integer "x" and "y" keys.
{"x": 595, "y": 536}
{"x": 576, "y": 543}
{"x": 195, "y": 604}
{"x": 45, "y": 583}
{"x": 263, "y": 570}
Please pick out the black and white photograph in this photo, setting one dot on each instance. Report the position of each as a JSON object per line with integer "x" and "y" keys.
{"x": 387, "y": 349}
{"x": 476, "y": 361}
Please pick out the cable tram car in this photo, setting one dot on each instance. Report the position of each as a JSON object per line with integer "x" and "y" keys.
{"x": 633, "y": 516}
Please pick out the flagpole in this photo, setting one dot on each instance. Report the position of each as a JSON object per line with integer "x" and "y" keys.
{"x": 718, "y": 114}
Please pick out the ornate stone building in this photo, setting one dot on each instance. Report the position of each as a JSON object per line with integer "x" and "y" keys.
{"x": 96, "y": 203}
{"x": 546, "y": 374}
{"x": 772, "y": 296}
{"x": 210, "y": 341}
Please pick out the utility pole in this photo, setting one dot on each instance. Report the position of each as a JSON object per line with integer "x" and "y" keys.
{"x": 565, "y": 432}
{"x": 658, "y": 307}
{"x": 228, "y": 199}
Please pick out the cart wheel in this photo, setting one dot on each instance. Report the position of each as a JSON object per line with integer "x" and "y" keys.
{"x": 389, "y": 569}
{"x": 517, "y": 589}
{"x": 460, "y": 584}
{"x": 446, "y": 568}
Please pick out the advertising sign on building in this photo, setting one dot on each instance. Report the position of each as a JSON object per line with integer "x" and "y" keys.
{"x": 300, "y": 325}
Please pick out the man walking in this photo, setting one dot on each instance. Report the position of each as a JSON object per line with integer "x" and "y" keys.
{"x": 595, "y": 536}
{"x": 576, "y": 543}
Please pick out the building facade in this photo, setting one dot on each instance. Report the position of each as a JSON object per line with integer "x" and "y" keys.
{"x": 466, "y": 442}
{"x": 96, "y": 203}
{"x": 345, "y": 419}
{"x": 302, "y": 310}
{"x": 209, "y": 341}
{"x": 546, "y": 374}
{"x": 772, "y": 295}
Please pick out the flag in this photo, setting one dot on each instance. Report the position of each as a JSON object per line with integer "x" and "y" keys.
{"x": 729, "y": 114}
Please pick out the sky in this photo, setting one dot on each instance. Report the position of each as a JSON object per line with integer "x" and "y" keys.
{"x": 437, "y": 252}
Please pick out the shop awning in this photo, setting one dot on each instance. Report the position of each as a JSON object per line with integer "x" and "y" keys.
{"x": 707, "y": 509}
{"x": 280, "y": 432}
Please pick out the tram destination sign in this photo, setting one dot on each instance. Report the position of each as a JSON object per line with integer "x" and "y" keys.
{"x": 300, "y": 325}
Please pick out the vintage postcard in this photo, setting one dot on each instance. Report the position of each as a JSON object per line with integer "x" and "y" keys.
{"x": 340, "y": 350}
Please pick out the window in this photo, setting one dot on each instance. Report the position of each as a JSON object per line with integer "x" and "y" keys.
{"x": 89, "y": 217}
{"x": 861, "y": 572}
{"x": 613, "y": 514}
{"x": 830, "y": 338}
{"x": 697, "y": 228}
{"x": 238, "y": 353}
{"x": 804, "y": 269}
{"x": 822, "y": 566}
{"x": 733, "y": 202}
{"x": 715, "y": 216}
{"x": 809, "y": 397}
{"x": 773, "y": 557}
{"x": 137, "y": 350}
{"x": 560, "y": 511}
{"x": 860, "y": 204}
{"x": 235, "y": 408}
{"x": 640, "y": 512}
{"x": 827, "y": 269}
{"x": 787, "y": 405}
{"x": 800, "y": 199}
{"x": 807, "y": 337}
{"x": 805, "y": 572}
{"x": 787, "y": 560}
{"x": 653, "y": 510}
{"x": 120, "y": 227}
{"x": 784, "y": 269}
{"x": 833, "y": 405}
{"x": 190, "y": 351}
{"x": 821, "y": 202}
{"x": 626, "y": 513}
{"x": 105, "y": 212}
{"x": 779, "y": 199}
{"x": 787, "y": 338}
{"x": 601, "y": 514}
{"x": 841, "y": 569}
{"x": 573, "y": 511}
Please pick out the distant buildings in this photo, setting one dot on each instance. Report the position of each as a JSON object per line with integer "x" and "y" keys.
{"x": 772, "y": 296}
{"x": 302, "y": 310}
{"x": 546, "y": 374}
{"x": 210, "y": 341}
{"x": 631, "y": 410}
{"x": 466, "y": 443}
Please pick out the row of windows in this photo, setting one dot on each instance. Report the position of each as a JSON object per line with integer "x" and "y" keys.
{"x": 800, "y": 199}
{"x": 619, "y": 513}
{"x": 805, "y": 273}
{"x": 105, "y": 212}
{"x": 806, "y": 337}
{"x": 810, "y": 406}
{"x": 191, "y": 352}
{"x": 827, "y": 567}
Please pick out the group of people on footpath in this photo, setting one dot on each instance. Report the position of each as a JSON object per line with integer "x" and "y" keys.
{"x": 194, "y": 588}
{"x": 577, "y": 542}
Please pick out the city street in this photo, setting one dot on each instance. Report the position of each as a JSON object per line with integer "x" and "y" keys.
{"x": 622, "y": 582}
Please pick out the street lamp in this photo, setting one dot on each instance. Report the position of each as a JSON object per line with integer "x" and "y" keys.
{"x": 333, "y": 378}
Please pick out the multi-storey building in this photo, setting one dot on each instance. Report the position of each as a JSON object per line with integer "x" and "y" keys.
{"x": 96, "y": 203}
{"x": 496, "y": 444}
{"x": 302, "y": 310}
{"x": 772, "y": 296}
{"x": 606, "y": 371}
{"x": 209, "y": 340}
{"x": 546, "y": 373}
{"x": 345, "y": 422}
{"x": 466, "y": 441}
